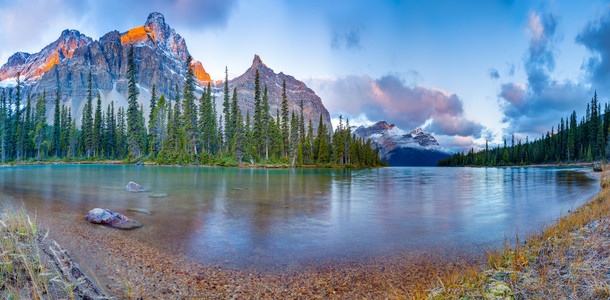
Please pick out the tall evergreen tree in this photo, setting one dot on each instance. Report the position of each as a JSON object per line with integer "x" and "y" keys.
{"x": 57, "y": 125}
{"x": 97, "y": 128}
{"x": 16, "y": 124}
{"x": 257, "y": 130}
{"x": 226, "y": 110}
{"x": 133, "y": 122}
{"x": 87, "y": 119}
{"x": 27, "y": 129}
{"x": 41, "y": 123}
{"x": 285, "y": 121}
{"x": 190, "y": 110}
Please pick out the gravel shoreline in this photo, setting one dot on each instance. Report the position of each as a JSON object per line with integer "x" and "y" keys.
{"x": 126, "y": 268}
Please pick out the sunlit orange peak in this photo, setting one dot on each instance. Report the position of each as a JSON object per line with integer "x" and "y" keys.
{"x": 200, "y": 72}
{"x": 136, "y": 35}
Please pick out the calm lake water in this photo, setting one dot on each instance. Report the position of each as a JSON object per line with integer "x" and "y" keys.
{"x": 266, "y": 217}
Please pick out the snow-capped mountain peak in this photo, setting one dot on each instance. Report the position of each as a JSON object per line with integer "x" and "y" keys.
{"x": 394, "y": 142}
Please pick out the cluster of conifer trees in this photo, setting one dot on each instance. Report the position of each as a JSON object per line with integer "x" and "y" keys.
{"x": 182, "y": 133}
{"x": 572, "y": 141}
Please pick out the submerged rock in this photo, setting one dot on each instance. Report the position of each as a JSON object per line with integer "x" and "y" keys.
{"x": 140, "y": 211}
{"x": 134, "y": 187}
{"x": 111, "y": 218}
{"x": 597, "y": 167}
{"x": 161, "y": 195}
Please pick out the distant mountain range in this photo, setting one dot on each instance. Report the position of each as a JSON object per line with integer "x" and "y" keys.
{"x": 160, "y": 55}
{"x": 401, "y": 148}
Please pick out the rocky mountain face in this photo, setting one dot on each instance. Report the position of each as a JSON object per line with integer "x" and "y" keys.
{"x": 296, "y": 92}
{"x": 159, "y": 51}
{"x": 399, "y": 148}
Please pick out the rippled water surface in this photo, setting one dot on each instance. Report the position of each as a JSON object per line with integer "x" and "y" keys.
{"x": 262, "y": 217}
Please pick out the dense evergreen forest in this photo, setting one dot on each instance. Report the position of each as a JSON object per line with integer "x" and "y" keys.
{"x": 573, "y": 140}
{"x": 182, "y": 133}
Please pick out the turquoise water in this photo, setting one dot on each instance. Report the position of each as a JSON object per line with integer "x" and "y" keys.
{"x": 266, "y": 217}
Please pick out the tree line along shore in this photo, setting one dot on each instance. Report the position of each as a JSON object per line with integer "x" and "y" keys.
{"x": 572, "y": 141}
{"x": 178, "y": 132}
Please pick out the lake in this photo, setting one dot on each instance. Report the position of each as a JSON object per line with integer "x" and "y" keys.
{"x": 274, "y": 218}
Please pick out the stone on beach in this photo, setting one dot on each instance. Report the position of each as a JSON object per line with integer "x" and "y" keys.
{"x": 111, "y": 218}
{"x": 134, "y": 187}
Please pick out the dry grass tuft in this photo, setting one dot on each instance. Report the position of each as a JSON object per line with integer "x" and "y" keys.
{"x": 22, "y": 273}
{"x": 570, "y": 259}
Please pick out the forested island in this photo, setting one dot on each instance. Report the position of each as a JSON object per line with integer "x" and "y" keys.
{"x": 184, "y": 133}
{"x": 573, "y": 141}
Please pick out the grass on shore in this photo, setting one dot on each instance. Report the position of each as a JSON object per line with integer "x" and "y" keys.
{"x": 570, "y": 259}
{"x": 23, "y": 275}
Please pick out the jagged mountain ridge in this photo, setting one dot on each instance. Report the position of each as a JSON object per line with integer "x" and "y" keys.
{"x": 296, "y": 91}
{"x": 160, "y": 55}
{"x": 399, "y": 148}
{"x": 159, "y": 51}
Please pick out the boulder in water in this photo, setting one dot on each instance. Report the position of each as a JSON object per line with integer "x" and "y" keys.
{"x": 159, "y": 195}
{"x": 134, "y": 187}
{"x": 140, "y": 211}
{"x": 111, "y": 218}
{"x": 597, "y": 167}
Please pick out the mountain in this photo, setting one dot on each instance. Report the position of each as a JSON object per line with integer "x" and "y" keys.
{"x": 160, "y": 59}
{"x": 160, "y": 55}
{"x": 296, "y": 91}
{"x": 399, "y": 148}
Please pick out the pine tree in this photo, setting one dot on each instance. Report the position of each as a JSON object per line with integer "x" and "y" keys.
{"x": 97, "y": 128}
{"x": 227, "y": 111}
{"x": 190, "y": 110}
{"x": 27, "y": 129}
{"x": 56, "y": 124}
{"x": 121, "y": 133}
{"x": 285, "y": 121}
{"x": 266, "y": 120}
{"x": 110, "y": 131}
{"x": 240, "y": 135}
{"x": 235, "y": 123}
{"x": 294, "y": 138}
{"x": 153, "y": 105}
{"x": 257, "y": 130}
{"x": 65, "y": 131}
{"x": 157, "y": 130}
{"x": 16, "y": 124}
{"x": 87, "y": 119}
{"x": 41, "y": 123}
{"x": 133, "y": 122}
{"x": 73, "y": 139}
{"x": 3, "y": 118}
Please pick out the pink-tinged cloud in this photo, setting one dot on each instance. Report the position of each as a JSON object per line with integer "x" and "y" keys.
{"x": 531, "y": 109}
{"x": 388, "y": 98}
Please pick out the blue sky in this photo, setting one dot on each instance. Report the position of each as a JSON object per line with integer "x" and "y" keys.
{"x": 465, "y": 70}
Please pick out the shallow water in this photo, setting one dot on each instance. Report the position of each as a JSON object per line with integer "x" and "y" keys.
{"x": 260, "y": 218}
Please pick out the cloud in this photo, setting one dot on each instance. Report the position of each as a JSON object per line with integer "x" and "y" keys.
{"x": 540, "y": 59}
{"x": 42, "y": 20}
{"x": 194, "y": 14}
{"x": 595, "y": 37}
{"x": 349, "y": 39}
{"x": 532, "y": 108}
{"x": 388, "y": 98}
{"x": 493, "y": 74}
